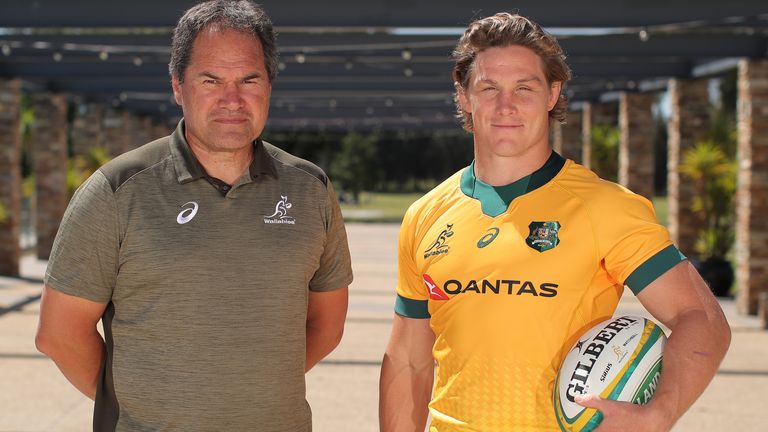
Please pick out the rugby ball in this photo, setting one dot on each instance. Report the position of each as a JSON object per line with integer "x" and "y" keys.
{"x": 617, "y": 359}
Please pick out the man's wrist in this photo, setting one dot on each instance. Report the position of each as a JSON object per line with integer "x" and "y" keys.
{"x": 662, "y": 413}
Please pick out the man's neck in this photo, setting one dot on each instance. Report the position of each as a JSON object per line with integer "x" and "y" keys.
{"x": 500, "y": 171}
{"x": 226, "y": 166}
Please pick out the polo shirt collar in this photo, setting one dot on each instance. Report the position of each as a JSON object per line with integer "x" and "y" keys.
{"x": 495, "y": 200}
{"x": 188, "y": 168}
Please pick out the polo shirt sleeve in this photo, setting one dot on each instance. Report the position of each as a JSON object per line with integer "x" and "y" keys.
{"x": 335, "y": 270}
{"x": 84, "y": 258}
{"x": 635, "y": 247}
{"x": 412, "y": 297}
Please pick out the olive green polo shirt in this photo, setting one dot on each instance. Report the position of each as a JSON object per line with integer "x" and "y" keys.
{"x": 206, "y": 285}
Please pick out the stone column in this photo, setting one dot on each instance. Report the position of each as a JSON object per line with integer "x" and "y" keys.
{"x": 567, "y": 137}
{"x": 87, "y": 129}
{"x": 636, "y": 155}
{"x": 688, "y": 120}
{"x": 49, "y": 152}
{"x": 10, "y": 176}
{"x": 752, "y": 193}
{"x": 116, "y": 132}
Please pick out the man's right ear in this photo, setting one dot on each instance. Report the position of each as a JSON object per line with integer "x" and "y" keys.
{"x": 176, "y": 86}
{"x": 461, "y": 95}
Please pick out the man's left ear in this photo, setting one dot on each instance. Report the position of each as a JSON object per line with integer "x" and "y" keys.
{"x": 554, "y": 94}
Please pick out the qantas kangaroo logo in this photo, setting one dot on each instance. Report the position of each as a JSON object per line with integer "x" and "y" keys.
{"x": 435, "y": 293}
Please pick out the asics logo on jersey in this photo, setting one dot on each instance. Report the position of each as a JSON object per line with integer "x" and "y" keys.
{"x": 187, "y": 214}
{"x": 435, "y": 293}
{"x": 438, "y": 246}
{"x": 488, "y": 238}
{"x": 280, "y": 216}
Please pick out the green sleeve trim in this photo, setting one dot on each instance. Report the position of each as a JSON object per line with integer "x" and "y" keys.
{"x": 410, "y": 308}
{"x": 654, "y": 267}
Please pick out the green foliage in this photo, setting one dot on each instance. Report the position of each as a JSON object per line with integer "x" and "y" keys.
{"x": 79, "y": 168}
{"x": 354, "y": 167}
{"x": 714, "y": 176}
{"x": 3, "y": 214}
{"x": 605, "y": 151}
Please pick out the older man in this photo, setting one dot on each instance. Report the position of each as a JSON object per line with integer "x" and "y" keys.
{"x": 217, "y": 263}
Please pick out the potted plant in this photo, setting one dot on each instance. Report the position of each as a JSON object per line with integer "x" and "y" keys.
{"x": 714, "y": 175}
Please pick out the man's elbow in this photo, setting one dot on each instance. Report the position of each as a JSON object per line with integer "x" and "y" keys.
{"x": 724, "y": 332}
{"x": 335, "y": 339}
{"x": 45, "y": 342}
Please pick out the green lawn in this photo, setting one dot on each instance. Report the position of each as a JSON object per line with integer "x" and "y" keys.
{"x": 379, "y": 207}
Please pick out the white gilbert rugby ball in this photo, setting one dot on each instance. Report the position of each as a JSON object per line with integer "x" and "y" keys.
{"x": 617, "y": 359}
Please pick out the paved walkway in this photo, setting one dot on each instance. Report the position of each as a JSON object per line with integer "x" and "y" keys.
{"x": 342, "y": 390}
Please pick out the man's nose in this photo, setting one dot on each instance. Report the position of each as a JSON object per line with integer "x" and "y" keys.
{"x": 231, "y": 97}
{"x": 506, "y": 102}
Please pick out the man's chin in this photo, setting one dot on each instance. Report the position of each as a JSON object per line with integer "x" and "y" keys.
{"x": 232, "y": 142}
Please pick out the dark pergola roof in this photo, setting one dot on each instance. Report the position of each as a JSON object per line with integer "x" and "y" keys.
{"x": 368, "y": 64}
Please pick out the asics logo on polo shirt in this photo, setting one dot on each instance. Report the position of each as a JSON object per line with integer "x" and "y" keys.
{"x": 187, "y": 214}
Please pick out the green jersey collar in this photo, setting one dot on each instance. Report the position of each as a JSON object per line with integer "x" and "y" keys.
{"x": 496, "y": 199}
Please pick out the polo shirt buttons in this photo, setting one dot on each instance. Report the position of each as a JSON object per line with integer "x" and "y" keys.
{"x": 225, "y": 188}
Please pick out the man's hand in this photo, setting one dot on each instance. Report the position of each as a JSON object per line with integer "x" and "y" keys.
{"x": 626, "y": 416}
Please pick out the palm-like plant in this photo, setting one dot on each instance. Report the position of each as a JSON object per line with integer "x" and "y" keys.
{"x": 714, "y": 175}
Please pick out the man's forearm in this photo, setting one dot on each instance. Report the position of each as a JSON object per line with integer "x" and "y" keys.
{"x": 693, "y": 353}
{"x": 404, "y": 395}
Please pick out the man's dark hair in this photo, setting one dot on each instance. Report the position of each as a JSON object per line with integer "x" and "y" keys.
{"x": 501, "y": 30}
{"x": 240, "y": 15}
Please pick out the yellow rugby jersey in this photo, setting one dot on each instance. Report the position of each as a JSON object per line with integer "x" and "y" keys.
{"x": 510, "y": 276}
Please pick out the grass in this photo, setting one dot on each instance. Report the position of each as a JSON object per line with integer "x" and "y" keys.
{"x": 379, "y": 207}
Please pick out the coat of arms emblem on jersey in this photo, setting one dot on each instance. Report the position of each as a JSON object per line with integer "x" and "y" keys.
{"x": 542, "y": 236}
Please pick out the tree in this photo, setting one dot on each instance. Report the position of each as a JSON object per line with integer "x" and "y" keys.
{"x": 605, "y": 151}
{"x": 354, "y": 168}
